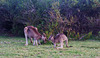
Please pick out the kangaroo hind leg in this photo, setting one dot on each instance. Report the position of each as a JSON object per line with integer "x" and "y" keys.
{"x": 61, "y": 43}
{"x": 66, "y": 42}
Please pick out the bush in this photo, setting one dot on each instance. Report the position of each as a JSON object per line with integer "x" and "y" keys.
{"x": 77, "y": 17}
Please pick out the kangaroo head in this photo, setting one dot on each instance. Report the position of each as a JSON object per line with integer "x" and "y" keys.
{"x": 44, "y": 38}
{"x": 51, "y": 37}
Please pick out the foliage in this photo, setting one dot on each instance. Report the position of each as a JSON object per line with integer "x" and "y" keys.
{"x": 95, "y": 37}
{"x": 76, "y": 17}
{"x": 77, "y": 36}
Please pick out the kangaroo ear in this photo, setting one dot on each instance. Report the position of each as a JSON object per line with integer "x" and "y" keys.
{"x": 51, "y": 35}
{"x": 44, "y": 34}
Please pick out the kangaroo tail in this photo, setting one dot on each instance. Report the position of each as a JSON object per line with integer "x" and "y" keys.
{"x": 66, "y": 42}
{"x": 25, "y": 33}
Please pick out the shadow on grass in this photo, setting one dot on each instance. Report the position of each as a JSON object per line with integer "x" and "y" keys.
{"x": 90, "y": 47}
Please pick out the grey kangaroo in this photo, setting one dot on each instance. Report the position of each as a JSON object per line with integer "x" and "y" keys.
{"x": 59, "y": 38}
{"x": 32, "y": 32}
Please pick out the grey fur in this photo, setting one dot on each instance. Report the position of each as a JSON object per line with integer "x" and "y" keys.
{"x": 32, "y": 32}
{"x": 59, "y": 38}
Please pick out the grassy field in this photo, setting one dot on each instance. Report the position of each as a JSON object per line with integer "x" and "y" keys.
{"x": 13, "y": 47}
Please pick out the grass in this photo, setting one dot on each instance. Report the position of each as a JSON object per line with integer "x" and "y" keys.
{"x": 13, "y": 47}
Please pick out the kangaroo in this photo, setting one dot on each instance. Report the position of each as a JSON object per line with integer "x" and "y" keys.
{"x": 32, "y": 32}
{"x": 59, "y": 38}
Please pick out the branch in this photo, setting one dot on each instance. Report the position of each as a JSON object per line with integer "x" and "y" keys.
{"x": 82, "y": 37}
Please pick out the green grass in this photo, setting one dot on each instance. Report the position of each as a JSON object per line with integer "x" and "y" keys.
{"x": 13, "y": 47}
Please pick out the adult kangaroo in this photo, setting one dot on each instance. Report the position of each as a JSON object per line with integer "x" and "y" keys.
{"x": 59, "y": 38}
{"x": 32, "y": 32}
